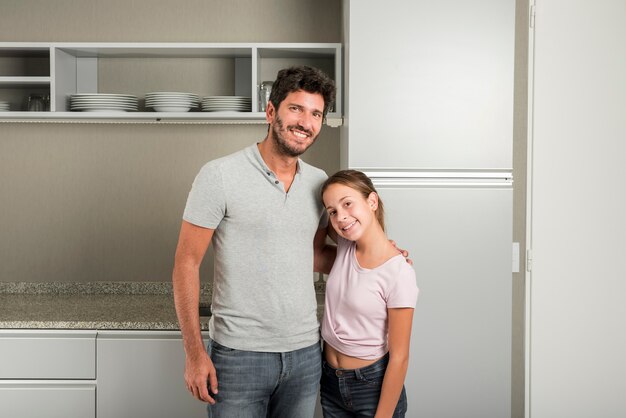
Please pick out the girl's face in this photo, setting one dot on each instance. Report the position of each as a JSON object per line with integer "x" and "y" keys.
{"x": 349, "y": 212}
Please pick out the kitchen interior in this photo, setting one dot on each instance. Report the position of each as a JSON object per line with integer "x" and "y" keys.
{"x": 91, "y": 209}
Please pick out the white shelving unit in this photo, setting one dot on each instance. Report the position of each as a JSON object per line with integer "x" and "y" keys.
{"x": 19, "y": 82}
{"x": 62, "y": 69}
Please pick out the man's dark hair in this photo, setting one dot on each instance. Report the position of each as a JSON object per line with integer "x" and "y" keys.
{"x": 309, "y": 79}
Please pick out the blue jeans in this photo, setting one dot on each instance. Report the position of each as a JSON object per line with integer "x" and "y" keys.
{"x": 255, "y": 384}
{"x": 355, "y": 393}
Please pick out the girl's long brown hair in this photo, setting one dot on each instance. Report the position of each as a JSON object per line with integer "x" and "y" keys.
{"x": 361, "y": 183}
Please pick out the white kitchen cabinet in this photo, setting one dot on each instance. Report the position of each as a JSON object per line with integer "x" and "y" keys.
{"x": 57, "y": 399}
{"x": 47, "y": 373}
{"x": 140, "y": 374}
{"x": 429, "y": 117}
{"x": 58, "y": 373}
{"x": 459, "y": 239}
{"x": 137, "y": 68}
{"x": 429, "y": 84}
{"x": 47, "y": 354}
{"x": 575, "y": 287}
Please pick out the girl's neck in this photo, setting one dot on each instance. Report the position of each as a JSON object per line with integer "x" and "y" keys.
{"x": 374, "y": 248}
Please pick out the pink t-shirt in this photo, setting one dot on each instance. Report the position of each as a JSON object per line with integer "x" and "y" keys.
{"x": 355, "y": 315}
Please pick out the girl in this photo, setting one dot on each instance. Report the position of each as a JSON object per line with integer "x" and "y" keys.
{"x": 371, "y": 293}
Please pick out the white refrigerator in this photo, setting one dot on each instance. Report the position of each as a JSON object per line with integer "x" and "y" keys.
{"x": 429, "y": 117}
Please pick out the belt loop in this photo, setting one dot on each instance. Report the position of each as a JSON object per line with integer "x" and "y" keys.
{"x": 358, "y": 375}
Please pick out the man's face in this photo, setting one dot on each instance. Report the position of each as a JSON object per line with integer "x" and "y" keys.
{"x": 297, "y": 122}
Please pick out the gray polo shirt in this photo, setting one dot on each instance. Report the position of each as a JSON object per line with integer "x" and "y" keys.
{"x": 263, "y": 293}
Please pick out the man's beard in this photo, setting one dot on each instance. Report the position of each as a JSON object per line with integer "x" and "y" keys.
{"x": 282, "y": 145}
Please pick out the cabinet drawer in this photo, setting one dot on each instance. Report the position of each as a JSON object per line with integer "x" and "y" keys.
{"x": 140, "y": 374}
{"x": 50, "y": 399}
{"x": 43, "y": 354}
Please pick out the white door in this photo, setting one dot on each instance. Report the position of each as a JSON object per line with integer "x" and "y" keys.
{"x": 576, "y": 308}
{"x": 460, "y": 242}
{"x": 429, "y": 84}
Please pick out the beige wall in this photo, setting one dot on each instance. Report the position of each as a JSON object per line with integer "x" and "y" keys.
{"x": 84, "y": 202}
{"x": 171, "y": 20}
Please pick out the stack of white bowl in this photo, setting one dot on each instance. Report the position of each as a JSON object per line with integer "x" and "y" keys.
{"x": 226, "y": 104}
{"x": 172, "y": 101}
{"x": 4, "y": 106}
{"x": 102, "y": 102}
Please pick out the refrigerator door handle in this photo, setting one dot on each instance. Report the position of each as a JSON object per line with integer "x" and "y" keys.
{"x": 440, "y": 178}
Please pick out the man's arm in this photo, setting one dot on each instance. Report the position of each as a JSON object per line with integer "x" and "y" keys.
{"x": 324, "y": 254}
{"x": 193, "y": 242}
{"x": 404, "y": 253}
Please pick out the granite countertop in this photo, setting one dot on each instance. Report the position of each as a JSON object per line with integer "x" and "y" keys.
{"x": 92, "y": 305}
{"x": 97, "y": 305}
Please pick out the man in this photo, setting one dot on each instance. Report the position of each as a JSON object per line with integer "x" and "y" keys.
{"x": 261, "y": 209}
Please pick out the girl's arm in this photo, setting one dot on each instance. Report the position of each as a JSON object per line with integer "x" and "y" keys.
{"x": 400, "y": 321}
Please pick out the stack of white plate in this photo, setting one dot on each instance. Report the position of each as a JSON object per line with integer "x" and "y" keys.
{"x": 226, "y": 104}
{"x": 4, "y": 106}
{"x": 101, "y": 102}
{"x": 172, "y": 101}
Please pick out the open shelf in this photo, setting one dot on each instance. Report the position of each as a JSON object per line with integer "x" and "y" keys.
{"x": 59, "y": 70}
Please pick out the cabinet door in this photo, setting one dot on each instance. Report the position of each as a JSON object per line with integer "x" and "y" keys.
{"x": 47, "y": 354}
{"x": 576, "y": 315}
{"x": 49, "y": 399}
{"x": 429, "y": 84}
{"x": 140, "y": 374}
{"x": 460, "y": 243}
